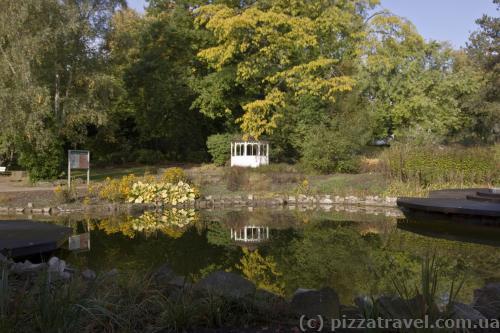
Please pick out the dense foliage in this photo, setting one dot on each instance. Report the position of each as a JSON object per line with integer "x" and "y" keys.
{"x": 320, "y": 79}
{"x": 219, "y": 147}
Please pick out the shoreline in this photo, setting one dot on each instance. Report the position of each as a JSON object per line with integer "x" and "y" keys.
{"x": 368, "y": 204}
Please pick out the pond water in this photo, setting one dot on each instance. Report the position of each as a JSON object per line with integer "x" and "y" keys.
{"x": 282, "y": 250}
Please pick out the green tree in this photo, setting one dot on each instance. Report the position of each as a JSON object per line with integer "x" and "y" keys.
{"x": 275, "y": 53}
{"x": 411, "y": 84}
{"x": 483, "y": 50}
{"x": 53, "y": 87}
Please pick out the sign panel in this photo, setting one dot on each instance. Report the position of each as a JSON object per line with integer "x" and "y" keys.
{"x": 79, "y": 159}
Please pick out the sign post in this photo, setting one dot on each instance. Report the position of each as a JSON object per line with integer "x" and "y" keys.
{"x": 78, "y": 159}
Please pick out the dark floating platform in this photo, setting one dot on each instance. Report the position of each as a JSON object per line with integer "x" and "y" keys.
{"x": 19, "y": 238}
{"x": 469, "y": 205}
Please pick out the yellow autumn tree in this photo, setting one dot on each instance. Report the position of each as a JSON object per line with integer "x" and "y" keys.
{"x": 278, "y": 52}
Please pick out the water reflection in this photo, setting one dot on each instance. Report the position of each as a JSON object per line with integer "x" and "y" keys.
{"x": 250, "y": 234}
{"x": 172, "y": 222}
{"x": 80, "y": 242}
{"x": 281, "y": 251}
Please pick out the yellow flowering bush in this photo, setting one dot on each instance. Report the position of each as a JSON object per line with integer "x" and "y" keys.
{"x": 174, "y": 175}
{"x": 162, "y": 193}
{"x": 116, "y": 189}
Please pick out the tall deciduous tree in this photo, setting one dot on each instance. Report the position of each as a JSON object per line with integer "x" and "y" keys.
{"x": 275, "y": 54}
{"x": 484, "y": 52}
{"x": 412, "y": 84}
{"x": 54, "y": 84}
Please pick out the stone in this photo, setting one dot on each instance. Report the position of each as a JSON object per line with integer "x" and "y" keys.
{"x": 30, "y": 205}
{"x": 325, "y": 200}
{"x": 396, "y": 307}
{"x": 279, "y": 200}
{"x": 179, "y": 281}
{"x": 487, "y": 300}
{"x": 250, "y": 197}
{"x": 164, "y": 272}
{"x": 391, "y": 200}
{"x": 291, "y": 199}
{"x": 58, "y": 266}
{"x": 89, "y": 274}
{"x": 302, "y": 198}
{"x": 226, "y": 284}
{"x": 351, "y": 312}
{"x": 352, "y": 199}
{"x": 47, "y": 210}
{"x": 324, "y": 302}
{"x": 26, "y": 267}
{"x": 465, "y": 311}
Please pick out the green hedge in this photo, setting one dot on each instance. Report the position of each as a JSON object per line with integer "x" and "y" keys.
{"x": 432, "y": 164}
{"x": 219, "y": 147}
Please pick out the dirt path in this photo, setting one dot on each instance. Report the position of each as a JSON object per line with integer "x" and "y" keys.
{"x": 19, "y": 195}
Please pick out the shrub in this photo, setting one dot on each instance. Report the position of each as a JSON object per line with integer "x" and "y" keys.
{"x": 303, "y": 188}
{"x": 116, "y": 190}
{"x": 174, "y": 175}
{"x": 325, "y": 151}
{"x": 46, "y": 163}
{"x": 425, "y": 165}
{"x": 237, "y": 178}
{"x": 162, "y": 193}
{"x": 63, "y": 194}
{"x": 334, "y": 146}
{"x": 219, "y": 147}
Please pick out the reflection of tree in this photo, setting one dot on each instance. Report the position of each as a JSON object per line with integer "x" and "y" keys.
{"x": 262, "y": 271}
{"x": 172, "y": 222}
{"x": 217, "y": 234}
{"x": 326, "y": 255}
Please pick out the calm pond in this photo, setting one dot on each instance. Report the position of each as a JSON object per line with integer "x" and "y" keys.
{"x": 282, "y": 250}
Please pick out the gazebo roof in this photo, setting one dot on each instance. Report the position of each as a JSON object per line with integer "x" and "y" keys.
{"x": 249, "y": 140}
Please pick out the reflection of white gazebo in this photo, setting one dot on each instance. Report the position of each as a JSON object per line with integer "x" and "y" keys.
{"x": 250, "y": 234}
{"x": 249, "y": 153}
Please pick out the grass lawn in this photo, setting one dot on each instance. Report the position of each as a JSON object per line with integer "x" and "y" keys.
{"x": 100, "y": 174}
{"x": 212, "y": 181}
{"x": 349, "y": 184}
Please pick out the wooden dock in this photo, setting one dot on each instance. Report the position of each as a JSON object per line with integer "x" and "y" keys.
{"x": 20, "y": 238}
{"x": 477, "y": 205}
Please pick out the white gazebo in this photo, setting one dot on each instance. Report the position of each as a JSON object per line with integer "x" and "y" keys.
{"x": 249, "y": 153}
